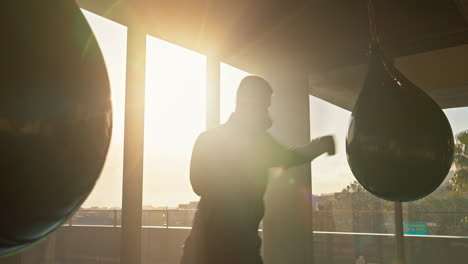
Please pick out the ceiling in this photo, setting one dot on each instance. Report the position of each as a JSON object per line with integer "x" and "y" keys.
{"x": 326, "y": 38}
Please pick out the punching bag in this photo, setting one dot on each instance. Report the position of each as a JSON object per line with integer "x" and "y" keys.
{"x": 400, "y": 144}
{"x": 55, "y": 117}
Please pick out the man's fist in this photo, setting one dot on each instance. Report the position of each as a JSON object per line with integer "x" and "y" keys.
{"x": 328, "y": 144}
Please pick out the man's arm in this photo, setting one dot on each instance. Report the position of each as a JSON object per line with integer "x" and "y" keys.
{"x": 290, "y": 157}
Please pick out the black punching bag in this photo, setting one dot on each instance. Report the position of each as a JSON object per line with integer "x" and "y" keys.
{"x": 399, "y": 144}
{"x": 55, "y": 117}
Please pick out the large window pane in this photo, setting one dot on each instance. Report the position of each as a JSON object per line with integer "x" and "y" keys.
{"x": 174, "y": 117}
{"x": 341, "y": 203}
{"x": 348, "y": 221}
{"x": 436, "y": 227}
{"x": 112, "y": 38}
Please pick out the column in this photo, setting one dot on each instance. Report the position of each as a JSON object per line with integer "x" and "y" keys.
{"x": 130, "y": 251}
{"x": 287, "y": 233}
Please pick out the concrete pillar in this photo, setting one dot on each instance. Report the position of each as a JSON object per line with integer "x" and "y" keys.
{"x": 212, "y": 91}
{"x": 133, "y": 148}
{"x": 287, "y": 236}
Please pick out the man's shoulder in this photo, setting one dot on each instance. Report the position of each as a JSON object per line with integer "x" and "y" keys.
{"x": 214, "y": 133}
{"x": 226, "y": 132}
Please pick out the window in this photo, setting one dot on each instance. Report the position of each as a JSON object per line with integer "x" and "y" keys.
{"x": 348, "y": 221}
{"x": 347, "y": 215}
{"x": 445, "y": 211}
{"x": 174, "y": 117}
{"x": 112, "y": 38}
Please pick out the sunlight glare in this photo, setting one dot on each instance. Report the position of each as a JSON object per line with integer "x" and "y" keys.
{"x": 175, "y": 103}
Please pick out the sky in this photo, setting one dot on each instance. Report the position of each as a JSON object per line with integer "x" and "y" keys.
{"x": 112, "y": 38}
{"x": 175, "y": 115}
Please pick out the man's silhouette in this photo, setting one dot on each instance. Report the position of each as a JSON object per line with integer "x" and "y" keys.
{"x": 229, "y": 170}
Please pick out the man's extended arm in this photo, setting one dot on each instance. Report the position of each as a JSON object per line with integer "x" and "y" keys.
{"x": 290, "y": 157}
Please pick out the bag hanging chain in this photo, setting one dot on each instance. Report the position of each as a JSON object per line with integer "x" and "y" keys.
{"x": 374, "y": 37}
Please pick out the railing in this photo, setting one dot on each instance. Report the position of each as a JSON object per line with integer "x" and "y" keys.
{"x": 162, "y": 244}
{"x": 381, "y": 222}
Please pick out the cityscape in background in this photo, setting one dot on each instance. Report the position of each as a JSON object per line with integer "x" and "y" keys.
{"x": 445, "y": 212}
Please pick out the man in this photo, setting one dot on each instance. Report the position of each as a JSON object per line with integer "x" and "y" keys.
{"x": 229, "y": 170}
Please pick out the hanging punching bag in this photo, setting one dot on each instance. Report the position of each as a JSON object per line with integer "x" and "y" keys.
{"x": 399, "y": 144}
{"x": 55, "y": 117}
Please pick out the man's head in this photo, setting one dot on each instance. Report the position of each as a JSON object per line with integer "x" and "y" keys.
{"x": 253, "y": 100}
{"x": 253, "y": 95}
